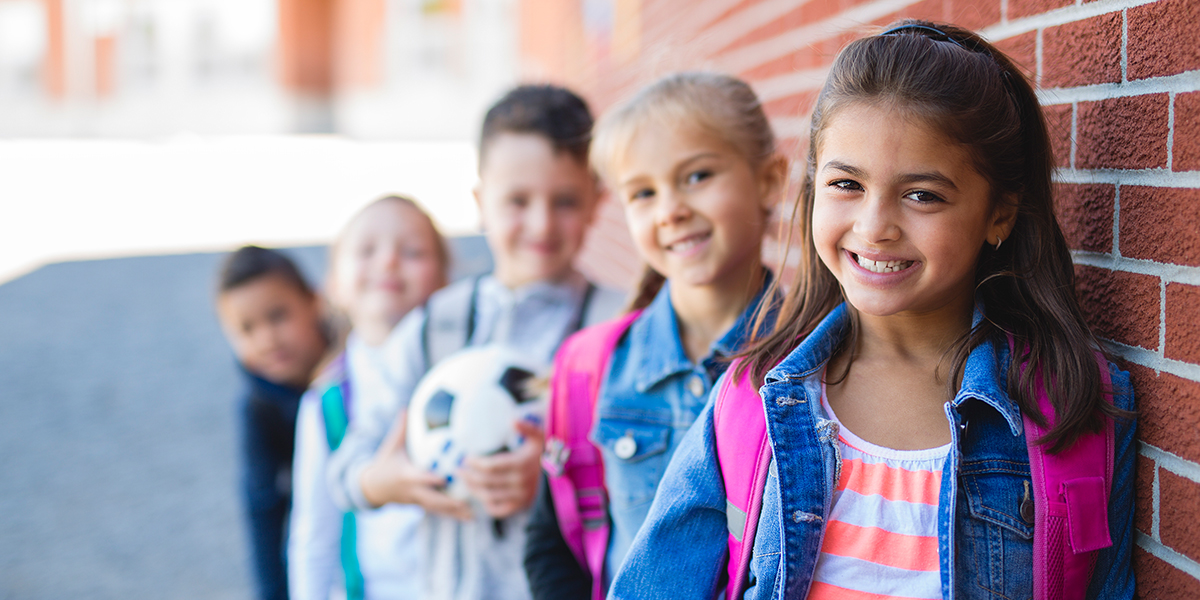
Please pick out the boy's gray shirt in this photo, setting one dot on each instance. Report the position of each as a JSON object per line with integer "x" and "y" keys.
{"x": 468, "y": 560}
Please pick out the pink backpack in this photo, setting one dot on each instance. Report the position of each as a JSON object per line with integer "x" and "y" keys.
{"x": 573, "y": 464}
{"x": 1070, "y": 490}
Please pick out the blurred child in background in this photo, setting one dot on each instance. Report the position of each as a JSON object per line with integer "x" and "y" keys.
{"x": 692, "y": 160}
{"x": 387, "y": 261}
{"x": 272, "y": 320}
{"x": 537, "y": 197}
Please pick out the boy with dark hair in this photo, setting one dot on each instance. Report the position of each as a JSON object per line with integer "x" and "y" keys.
{"x": 536, "y": 199}
{"x": 271, "y": 318}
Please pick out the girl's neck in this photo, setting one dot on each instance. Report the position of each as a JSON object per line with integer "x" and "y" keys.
{"x": 706, "y": 312}
{"x": 372, "y": 333}
{"x": 923, "y": 338}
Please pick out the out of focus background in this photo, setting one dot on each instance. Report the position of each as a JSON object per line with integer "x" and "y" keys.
{"x": 140, "y": 139}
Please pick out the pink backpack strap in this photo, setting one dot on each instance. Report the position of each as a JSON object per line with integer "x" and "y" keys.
{"x": 574, "y": 466}
{"x": 1070, "y": 500}
{"x": 744, "y": 454}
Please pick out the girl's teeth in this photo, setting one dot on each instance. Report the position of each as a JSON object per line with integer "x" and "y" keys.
{"x": 883, "y": 266}
{"x": 684, "y": 245}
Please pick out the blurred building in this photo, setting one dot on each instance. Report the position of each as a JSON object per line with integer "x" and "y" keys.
{"x": 414, "y": 69}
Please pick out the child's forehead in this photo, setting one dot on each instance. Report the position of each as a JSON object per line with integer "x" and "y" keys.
{"x": 530, "y": 161}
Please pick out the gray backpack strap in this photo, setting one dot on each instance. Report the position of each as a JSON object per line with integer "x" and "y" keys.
{"x": 602, "y": 304}
{"x": 449, "y": 320}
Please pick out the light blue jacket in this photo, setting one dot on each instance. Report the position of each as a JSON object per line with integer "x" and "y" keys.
{"x": 984, "y": 544}
{"x": 650, "y": 397}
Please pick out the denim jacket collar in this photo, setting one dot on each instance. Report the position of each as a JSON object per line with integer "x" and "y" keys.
{"x": 657, "y": 346}
{"x": 982, "y": 374}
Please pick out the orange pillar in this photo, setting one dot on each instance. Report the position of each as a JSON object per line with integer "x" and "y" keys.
{"x": 306, "y": 46}
{"x": 54, "y": 64}
{"x": 106, "y": 65}
{"x": 358, "y": 43}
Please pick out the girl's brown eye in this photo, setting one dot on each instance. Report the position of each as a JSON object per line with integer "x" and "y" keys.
{"x": 923, "y": 197}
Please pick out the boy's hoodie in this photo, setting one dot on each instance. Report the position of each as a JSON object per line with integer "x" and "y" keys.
{"x": 478, "y": 558}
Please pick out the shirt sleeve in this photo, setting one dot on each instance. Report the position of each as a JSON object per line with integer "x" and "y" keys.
{"x": 550, "y": 565}
{"x": 1113, "y": 573}
{"x": 685, "y": 531}
{"x": 314, "y": 539}
{"x": 404, "y": 351}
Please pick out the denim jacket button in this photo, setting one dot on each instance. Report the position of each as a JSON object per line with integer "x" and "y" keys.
{"x": 625, "y": 447}
{"x": 696, "y": 386}
{"x": 1027, "y": 512}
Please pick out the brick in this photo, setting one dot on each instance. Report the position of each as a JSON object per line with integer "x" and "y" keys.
{"x": 1024, "y": 8}
{"x": 1022, "y": 49}
{"x": 1085, "y": 212}
{"x": 972, "y": 14}
{"x": 804, "y": 58}
{"x": 1162, "y": 38}
{"x": 796, "y": 105}
{"x": 1083, "y": 52}
{"x": 1143, "y": 501}
{"x": 1179, "y": 513}
{"x": 1122, "y": 133}
{"x": 1186, "y": 153}
{"x": 1183, "y": 323}
{"x": 1161, "y": 224}
{"x": 1058, "y": 125}
{"x": 1120, "y": 306}
{"x": 1168, "y": 411}
{"x": 783, "y": 23}
{"x": 1158, "y": 580}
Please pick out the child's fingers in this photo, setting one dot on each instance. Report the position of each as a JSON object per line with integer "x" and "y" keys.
{"x": 437, "y": 502}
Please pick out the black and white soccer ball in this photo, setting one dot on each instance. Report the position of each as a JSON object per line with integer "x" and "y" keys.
{"x": 467, "y": 406}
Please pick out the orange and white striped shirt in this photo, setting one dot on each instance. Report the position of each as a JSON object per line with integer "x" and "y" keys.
{"x": 881, "y": 537}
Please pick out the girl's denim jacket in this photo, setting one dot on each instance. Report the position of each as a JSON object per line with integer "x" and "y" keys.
{"x": 652, "y": 393}
{"x": 984, "y": 541}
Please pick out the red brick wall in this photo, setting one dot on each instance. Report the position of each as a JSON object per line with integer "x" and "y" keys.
{"x": 1120, "y": 80}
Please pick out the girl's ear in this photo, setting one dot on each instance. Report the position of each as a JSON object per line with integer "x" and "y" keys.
{"x": 772, "y": 179}
{"x": 1004, "y": 216}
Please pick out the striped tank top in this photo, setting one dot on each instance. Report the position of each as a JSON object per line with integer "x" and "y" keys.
{"x": 881, "y": 537}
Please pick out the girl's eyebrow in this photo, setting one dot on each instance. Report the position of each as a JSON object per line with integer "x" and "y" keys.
{"x": 931, "y": 176}
{"x": 683, "y": 164}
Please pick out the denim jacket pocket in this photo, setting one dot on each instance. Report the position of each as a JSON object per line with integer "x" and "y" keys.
{"x": 999, "y": 492}
{"x": 997, "y": 531}
{"x": 634, "y": 456}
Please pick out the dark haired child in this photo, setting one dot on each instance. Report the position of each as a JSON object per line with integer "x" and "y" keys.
{"x": 931, "y": 407}
{"x": 536, "y": 199}
{"x": 272, "y": 319}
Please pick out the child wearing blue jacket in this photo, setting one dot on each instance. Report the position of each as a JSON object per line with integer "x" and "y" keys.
{"x": 910, "y": 366}
{"x": 692, "y": 160}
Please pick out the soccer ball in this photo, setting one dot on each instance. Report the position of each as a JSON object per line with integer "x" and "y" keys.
{"x": 467, "y": 405}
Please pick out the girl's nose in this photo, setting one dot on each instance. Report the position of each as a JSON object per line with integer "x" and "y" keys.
{"x": 672, "y": 208}
{"x": 875, "y": 220}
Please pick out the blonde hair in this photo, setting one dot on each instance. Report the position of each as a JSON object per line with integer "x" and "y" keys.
{"x": 719, "y": 105}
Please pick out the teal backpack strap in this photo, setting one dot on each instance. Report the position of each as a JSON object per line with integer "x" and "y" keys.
{"x": 337, "y": 418}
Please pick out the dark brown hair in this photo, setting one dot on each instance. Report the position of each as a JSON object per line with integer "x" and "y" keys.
{"x": 553, "y": 112}
{"x": 250, "y": 263}
{"x": 968, "y": 90}
{"x": 720, "y": 105}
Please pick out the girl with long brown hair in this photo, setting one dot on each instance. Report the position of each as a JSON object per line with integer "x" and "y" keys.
{"x": 901, "y": 385}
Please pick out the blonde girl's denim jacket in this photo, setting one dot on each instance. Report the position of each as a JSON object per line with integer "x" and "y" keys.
{"x": 652, "y": 393}
{"x": 984, "y": 543}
